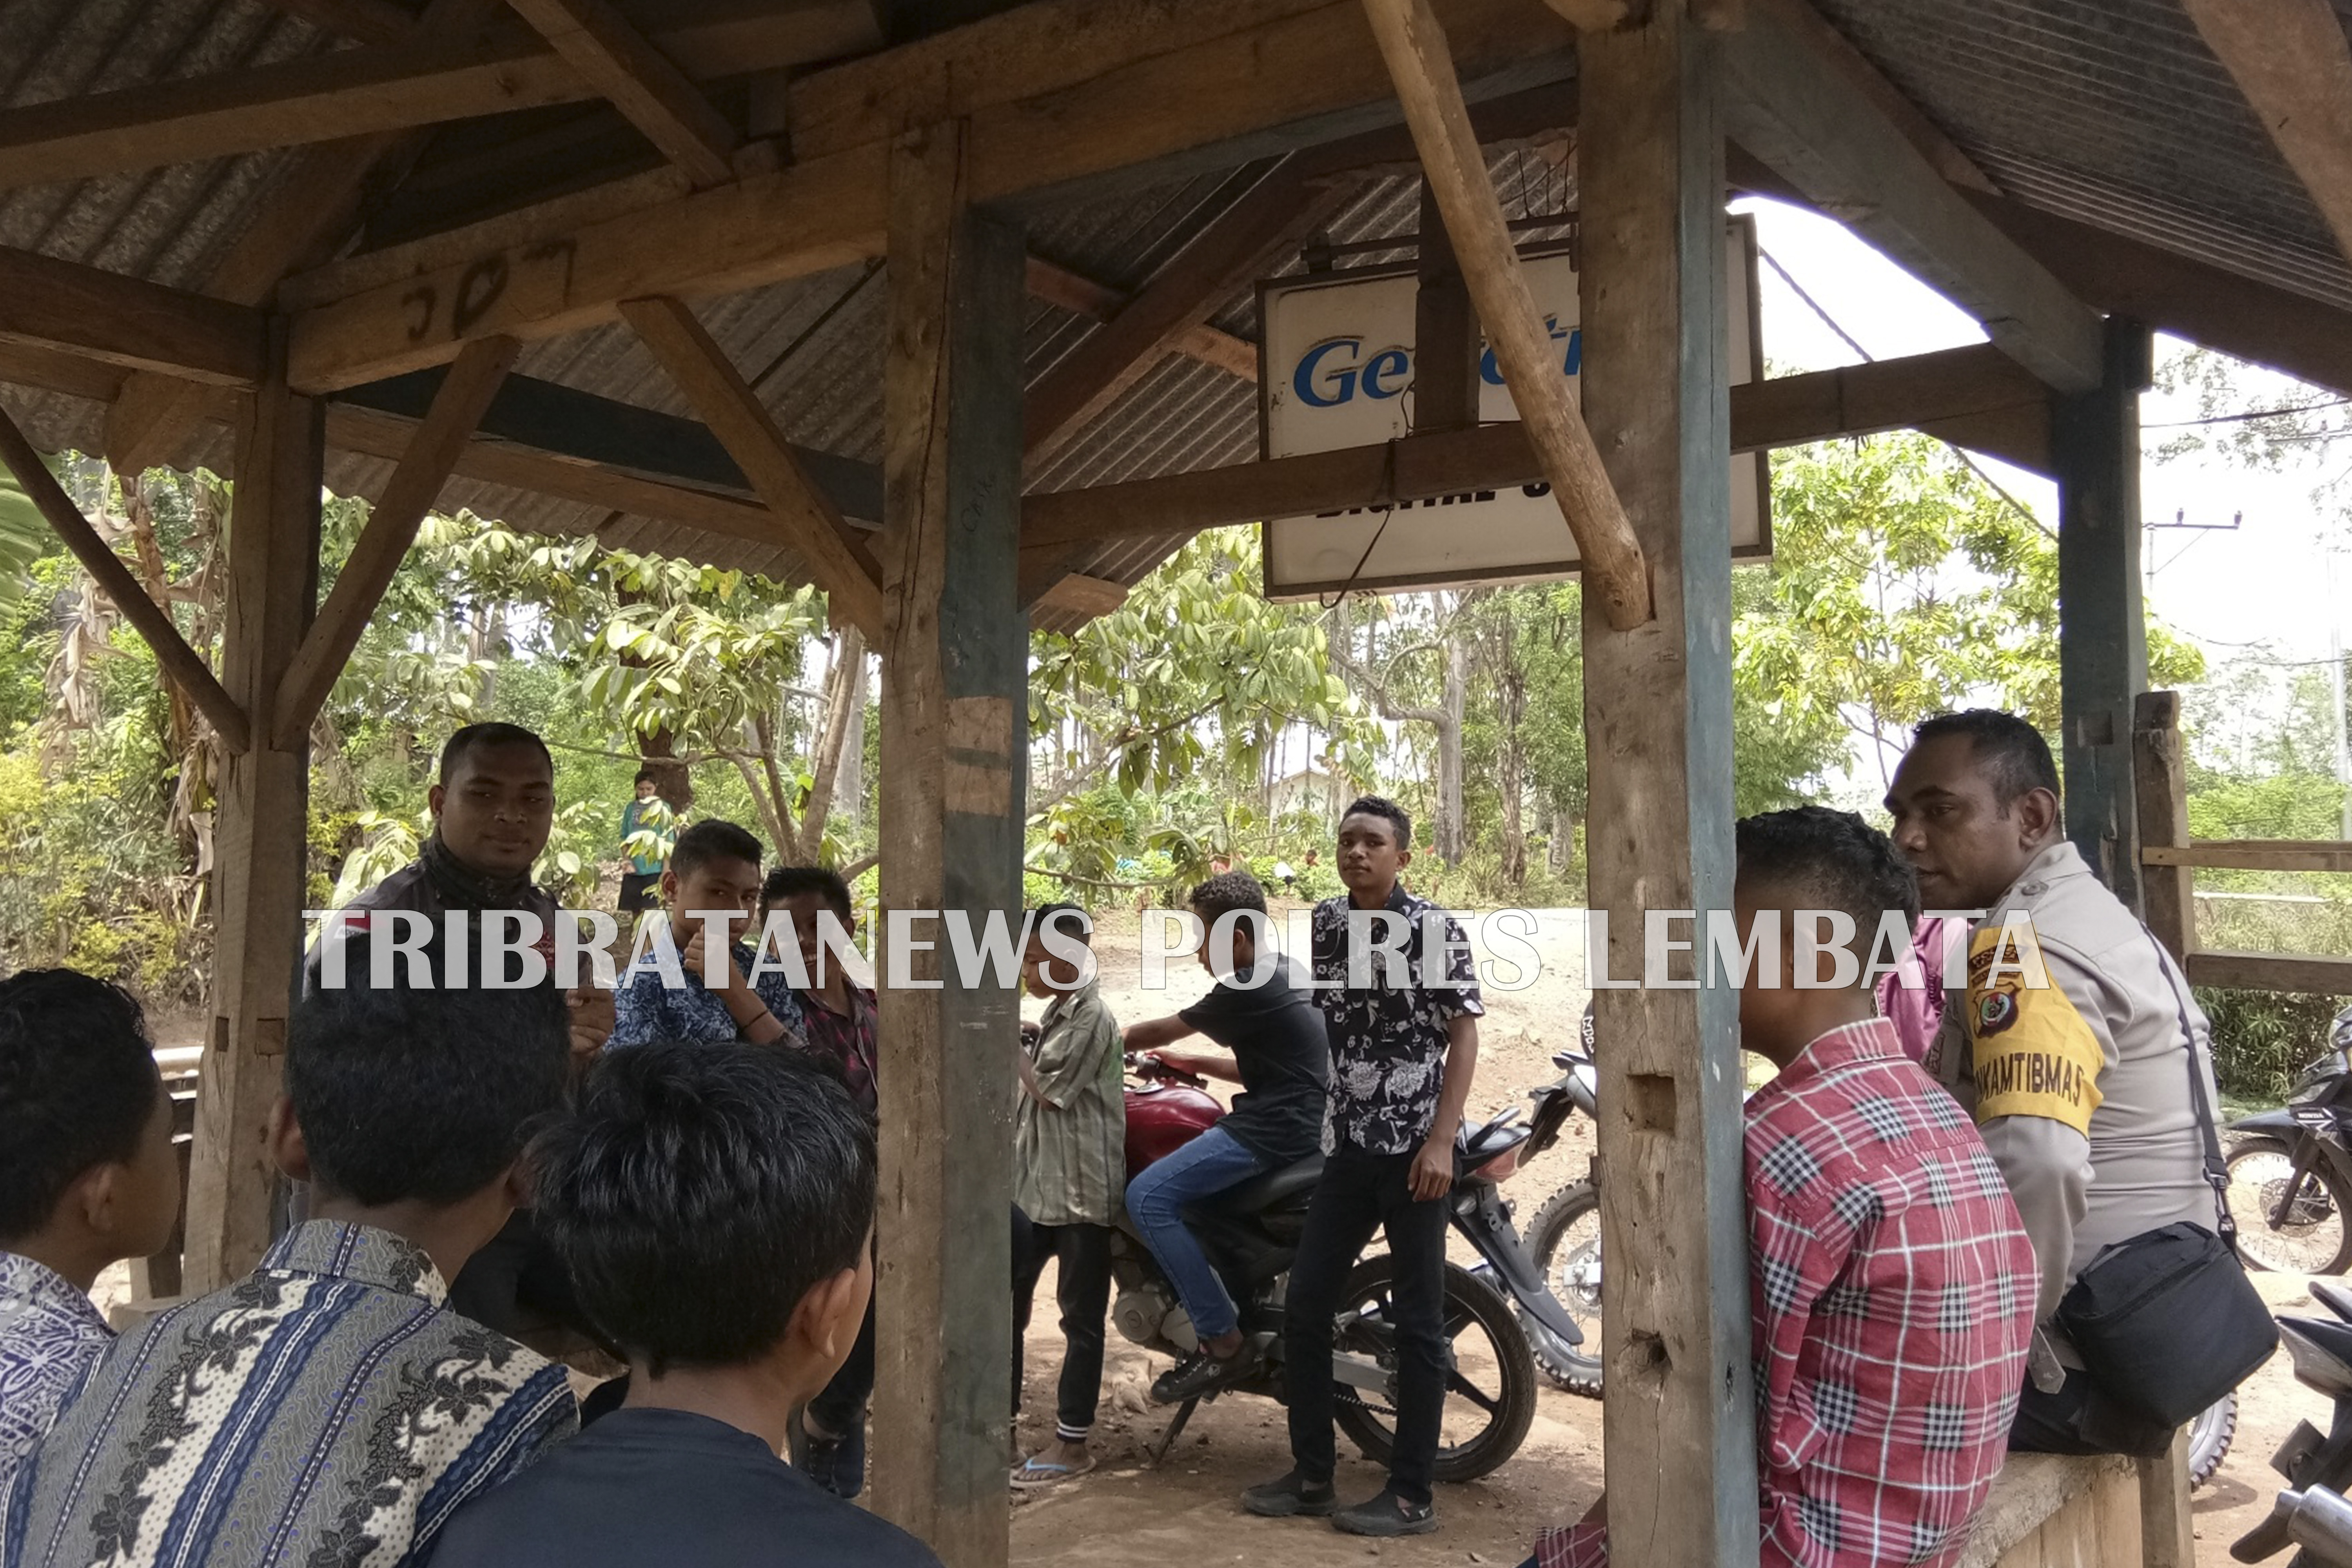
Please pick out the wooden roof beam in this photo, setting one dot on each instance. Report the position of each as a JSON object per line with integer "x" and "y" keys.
{"x": 1044, "y": 117}
{"x": 1422, "y": 66}
{"x": 640, "y": 81}
{"x": 1800, "y": 111}
{"x": 2291, "y": 59}
{"x": 1096, "y": 301}
{"x": 838, "y": 561}
{"x": 184, "y": 663}
{"x": 87, "y": 310}
{"x": 432, "y": 77}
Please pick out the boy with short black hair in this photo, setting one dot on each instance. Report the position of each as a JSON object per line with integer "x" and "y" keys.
{"x": 1401, "y": 1061}
{"x": 1276, "y": 1047}
{"x": 714, "y": 870}
{"x": 87, "y": 1177}
{"x": 379, "y": 1410}
{"x": 716, "y": 1204}
{"x": 1891, "y": 1283}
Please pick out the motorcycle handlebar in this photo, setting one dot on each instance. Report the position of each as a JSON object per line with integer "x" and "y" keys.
{"x": 1146, "y": 1066}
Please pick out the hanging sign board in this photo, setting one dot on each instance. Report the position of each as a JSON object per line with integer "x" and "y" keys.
{"x": 1336, "y": 367}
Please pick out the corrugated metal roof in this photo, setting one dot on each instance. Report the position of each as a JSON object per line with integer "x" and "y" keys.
{"x": 2109, "y": 111}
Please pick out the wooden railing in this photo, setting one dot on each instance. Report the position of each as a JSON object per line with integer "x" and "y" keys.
{"x": 2169, "y": 856}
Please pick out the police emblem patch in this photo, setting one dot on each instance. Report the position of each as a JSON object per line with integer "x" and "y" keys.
{"x": 1996, "y": 1010}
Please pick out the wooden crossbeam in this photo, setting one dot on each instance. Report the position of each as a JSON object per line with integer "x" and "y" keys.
{"x": 68, "y": 307}
{"x": 422, "y": 80}
{"x": 432, "y": 456}
{"x": 2269, "y": 972}
{"x": 640, "y": 81}
{"x": 2253, "y": 854}
{"x": 1421, "y": 62}
{"x": 1802, "y": 114}
{"x": 182, "y": 663}
{"x": 1082, "y": 296}
{"x": 838, "y": 561}
{"x": 1242, "y": 242}
{"x": 2291, "y": 59}
{"x": 1081, "y": 596}
{"x": 1304, "y": 79}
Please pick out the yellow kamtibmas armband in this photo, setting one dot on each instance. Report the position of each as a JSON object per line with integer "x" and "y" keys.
{"x": 2033, "y": 1054}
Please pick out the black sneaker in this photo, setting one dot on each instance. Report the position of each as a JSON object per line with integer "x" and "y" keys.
{"x": 1292, "y": 1496}
{"x": 818, "y": 1458}
{"x": 1193, "y": 1376}
{"x": 1385, "y": 1515}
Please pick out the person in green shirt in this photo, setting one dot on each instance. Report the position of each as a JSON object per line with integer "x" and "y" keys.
{"x": 646, "y": 814}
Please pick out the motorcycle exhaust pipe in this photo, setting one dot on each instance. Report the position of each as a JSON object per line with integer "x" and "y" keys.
{"x": 2320, "y": 1521}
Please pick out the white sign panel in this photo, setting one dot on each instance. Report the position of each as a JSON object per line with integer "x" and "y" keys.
{"x": 1336, "y": 371}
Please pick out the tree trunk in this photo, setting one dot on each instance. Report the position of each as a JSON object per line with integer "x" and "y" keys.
{"x": 1450, "y": 827}
{"x": 1511, "y": 756}
{"x": 768, "y": 791}
{"x": 849, "y": 778}
{"x": 1561, "y": 851}
{"x": 843, "y": 684}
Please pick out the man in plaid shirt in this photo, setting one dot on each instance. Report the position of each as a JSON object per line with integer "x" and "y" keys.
{"x": 1891, "y": 1280}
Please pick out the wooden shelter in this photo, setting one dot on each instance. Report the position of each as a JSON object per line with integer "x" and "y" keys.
{"x": 944, "y": 305}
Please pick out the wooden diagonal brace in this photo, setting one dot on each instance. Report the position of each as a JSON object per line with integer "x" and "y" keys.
{"x": 432, "y": 455}
{"x": 838, "y": 562}
{"x": 1415, "y": 47}
{"x": 2291, "y": 59}
{"x": 180, "y": 661}
{"x": 640, "y": 81}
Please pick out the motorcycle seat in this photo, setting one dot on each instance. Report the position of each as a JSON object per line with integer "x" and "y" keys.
{"x": 1273, "y": 1188}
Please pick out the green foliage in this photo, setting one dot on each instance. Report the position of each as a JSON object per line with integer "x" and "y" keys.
{"x": 2262, "y": 1038}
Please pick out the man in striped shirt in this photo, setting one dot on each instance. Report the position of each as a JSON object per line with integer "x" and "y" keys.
{"x": 1891, "y": 1283}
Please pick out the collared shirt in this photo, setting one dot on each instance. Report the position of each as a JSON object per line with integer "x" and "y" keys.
{"x": 2071, "y": 1044}
{"x": 647, "y": 1008}
{"x": 1070, "y": 1158}
{"x": 632, "y": 819}
{"x": 326, "y": 1409}
{"x": 850, "y": 1043}
{"x": 1890, "y": 1285}
{"x": 50, "y": 1333}
{"x": 1389, "y": 1042}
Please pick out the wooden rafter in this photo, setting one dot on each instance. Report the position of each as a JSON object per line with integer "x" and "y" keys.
{"x": 1096, "y": 301}
{"x": 1277, "y": 212}
{"x": 640, "y": 81}
{"x": 1422, "y": 66}
{"x": 423, "y": 80}
{"x": 68, "y": 307}
{"x": 1801, "y": 112}
{"x": 1836, "y": 54}
{"x": 182, "y": 663}
{"x": 826, "y": 208}
{"x": 2291, "y": 59}
{"x": 838, "y": 561}
{"x": 432, "y": 456}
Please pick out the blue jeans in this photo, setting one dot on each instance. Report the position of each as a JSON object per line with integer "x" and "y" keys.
{"x": 1156, "y": 1202}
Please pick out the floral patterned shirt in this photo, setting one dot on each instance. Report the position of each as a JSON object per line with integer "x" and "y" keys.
{"x": 647, "y": 1008}
{"x": 327, "y": 1409}
{"x": 50, "y": 1333}
{"x": 1388, "y": 1036}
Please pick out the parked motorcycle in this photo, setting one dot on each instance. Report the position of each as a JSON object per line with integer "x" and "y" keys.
{"x": 2291, "y": 1169}
{"x": 1251, "y": 1233}
{"x": 2317, "y": 1465}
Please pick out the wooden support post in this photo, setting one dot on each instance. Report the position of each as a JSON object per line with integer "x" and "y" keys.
{"x": 1679, "y": 1426}
{"x": 2102, "y": 623}
{"x": 1413, "y": 45}
{"x": 2160, "y": 786}
{"x": 2168, "y": 1531}
{"x": 1444, "y": 330}
{"x": 954, "y": 751}
{"x": 432, "y": 456}
{"x": 260, "y": 839}
{"x": 182, "y": 664}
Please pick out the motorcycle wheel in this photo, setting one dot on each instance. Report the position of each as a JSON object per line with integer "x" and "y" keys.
{"x": 1482, "y": 1429}
{"x": 2318, "y": 1235}
{"x": 2210, "y": 1436}
{"x": 1564, "y": 1239}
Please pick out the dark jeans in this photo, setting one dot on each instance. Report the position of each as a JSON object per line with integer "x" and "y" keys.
{"x": 2080, "y": 1419}
{"x": 1359, "y": 1194}
{"x": 841, "y": 1408}
{"x": 1083, "y": 1289}
{"x": 640, "y": 893}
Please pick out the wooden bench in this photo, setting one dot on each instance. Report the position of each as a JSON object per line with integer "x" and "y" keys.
{"x": 2054, "y": 1511}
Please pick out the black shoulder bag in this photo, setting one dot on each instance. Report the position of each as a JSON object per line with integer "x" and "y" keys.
{"x": 2166, "y": 1323}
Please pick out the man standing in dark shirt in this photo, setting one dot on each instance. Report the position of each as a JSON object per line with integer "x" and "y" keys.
{"x": 716, "y": 1202}
{"x": 1282, "y": 1057}
{"x": 1404, "y": 1044}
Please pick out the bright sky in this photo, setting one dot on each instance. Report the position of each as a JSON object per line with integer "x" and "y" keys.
{"x": 2262, "y": 590}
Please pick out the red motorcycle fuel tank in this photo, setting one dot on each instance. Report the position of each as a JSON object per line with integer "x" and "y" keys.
{"x": 1161, "y": 1118}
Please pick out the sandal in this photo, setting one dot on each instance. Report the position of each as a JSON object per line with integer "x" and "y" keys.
{"x": 1034, "y": 1477}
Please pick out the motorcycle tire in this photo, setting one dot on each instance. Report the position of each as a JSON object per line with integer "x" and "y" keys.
{"x": 2260, "y": 1145}
{"x": 1574, "y": 1368}
{"x": 1510, "y": 1413}
{"x": 2210, "y": 1436}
